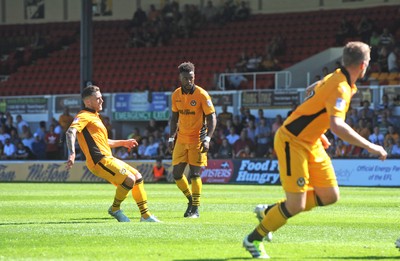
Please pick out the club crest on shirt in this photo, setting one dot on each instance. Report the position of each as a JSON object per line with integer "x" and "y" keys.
{"x": 193, "y": 103}
{"x": 340, "y": 104}
{"x": 122, "y": 171}
{"x": 301, "y": 182}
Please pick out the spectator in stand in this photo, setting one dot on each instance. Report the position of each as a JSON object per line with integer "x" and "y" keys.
{"x": 376, "y": 137}
{"x": 396, "y": 149}
{"x": 247, "y": 116}
{"x": 152, "y": 149}
{"x": 253, "y": 63}
{"x": 39, "y": 147}
{"x": 152, "y": 126}
{"x": 393, "y": 60}
{"x": 22, "y": 152}
{"x": 209, "y": 12}
{"x": 341, "y": 149}
{"x": 383, "y": 59}
{"x": 389, "y": 146}
{"x": 276, "y": 124}
{"x": 362, "y": 129}
{"x": 352, "y": 115}
{"x": 242, "y": 12}
{"x": 224, "y": 116}
{"x": 57, "y": 127}
{"x": 374, "y": 41}
{"x": 3, "y": 134}
{"x": 159, "y": 171}
{"x": 142, "y": 147}
{"x": 251, "y": 130}
{"x": 107, "y": 123}
{"x": 331, "y": 150}
{"x": 383, "y": 125}
{"x": 52, "y": 141}
{"x": 153, "y": 15}
{"x": 9, "y": 150}
{"x": 1, "y": 150}
{"x": 242, "y": 142}
{"x": 269, "y": 63}
{"x": 246, "y": 152}
{"x": 14, "y": 138}
{"x": 385, "y": 103}
{"x": 41, "y": 130}
{"x": 366, "y": 112}
{"x": 10, "y": 125}
{"x": 28, "y": 139}
{"x": 391, "y": 134}
{"x": 346, "y": 29}
{"x": 242, "y": 62}
{"x": 122, "y": 153}
{"x": 365, "y": 28}
{"x": 20, "y": 123}
{"x": 163, "y": 150}
{"x": 65, "y": 119}
{"x": 139, "y": 18}
{"x": 260, "y": 115}
{"x": 264, "y": 139}
{"x": 386, "y": 39}
{"x": 237, "y": 80}
{"x": 224, "y": 151}
{"x": 232, "y": 137}
{"x": 238, "y": 123}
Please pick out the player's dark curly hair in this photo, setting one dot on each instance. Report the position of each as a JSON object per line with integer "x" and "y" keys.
{"x": 186, "y": 67}
{"x": 89, "y": 90}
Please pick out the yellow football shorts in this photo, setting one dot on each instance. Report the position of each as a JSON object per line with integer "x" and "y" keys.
{"x": 113, "y": 170}
{"x": 189, "y": 153}
{"x": 302, "y": 165}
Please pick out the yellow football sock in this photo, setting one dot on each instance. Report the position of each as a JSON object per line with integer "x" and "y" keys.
{"x": 120, "y": 195}
{"x": 275, "y": 218}
{"x": 140, "y": 197}
{"x": 183, "y": 185}
{"x": 197, "y": 185}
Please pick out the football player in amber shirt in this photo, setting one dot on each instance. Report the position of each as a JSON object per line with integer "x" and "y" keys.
{"x": 94, "y": 142}
{"x": 306, "y": 171}
{"x": 192, "y": 125}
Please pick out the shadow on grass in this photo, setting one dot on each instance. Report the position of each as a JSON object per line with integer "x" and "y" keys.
{"x": 362, "y": 257}
{"x": 73, "y": 221}
{"x": 216, "y": 259}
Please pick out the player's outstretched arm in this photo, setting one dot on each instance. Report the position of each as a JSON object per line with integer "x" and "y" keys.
{"x": 70, "y": 138}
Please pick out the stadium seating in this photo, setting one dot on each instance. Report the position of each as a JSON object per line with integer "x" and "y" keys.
{"x": 119, "y": 68}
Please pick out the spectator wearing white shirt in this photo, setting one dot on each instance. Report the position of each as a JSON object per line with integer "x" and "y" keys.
{"x": 376, "y": 137}
{"x": 396, "y": 149}
{"x": 232, "y": 137}
{"x": 9, "y": 150}
{"x": 20, "y": 124}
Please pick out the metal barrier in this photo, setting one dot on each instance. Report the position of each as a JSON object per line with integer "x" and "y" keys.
{"x": 282, "y": 79}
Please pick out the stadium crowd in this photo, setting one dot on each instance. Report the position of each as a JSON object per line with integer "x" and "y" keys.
{"x": 236, "y": 136}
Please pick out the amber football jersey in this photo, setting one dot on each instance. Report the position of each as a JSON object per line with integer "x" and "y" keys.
{"x": 330, "y": 97}
{"x": 92, "y": 136}
{"x": 192, "y": 108}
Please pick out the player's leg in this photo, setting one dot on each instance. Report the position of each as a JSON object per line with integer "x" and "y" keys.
{"x": 179, "y": 162}
{"x": 117, "y": 174}
{"x": 139, "y": 194}
{"x": 197, "y": 185}
{"x": 196, "y": 161}
{"x": 322, "y": 178}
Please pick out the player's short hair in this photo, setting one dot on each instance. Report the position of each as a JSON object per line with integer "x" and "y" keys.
{"x": 89, "y": 91}
{"x": 186, "y": 67}
{"x": 354, "y": 53}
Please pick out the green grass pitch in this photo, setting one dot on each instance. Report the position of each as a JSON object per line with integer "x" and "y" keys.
{"x": 70, "y": 222}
